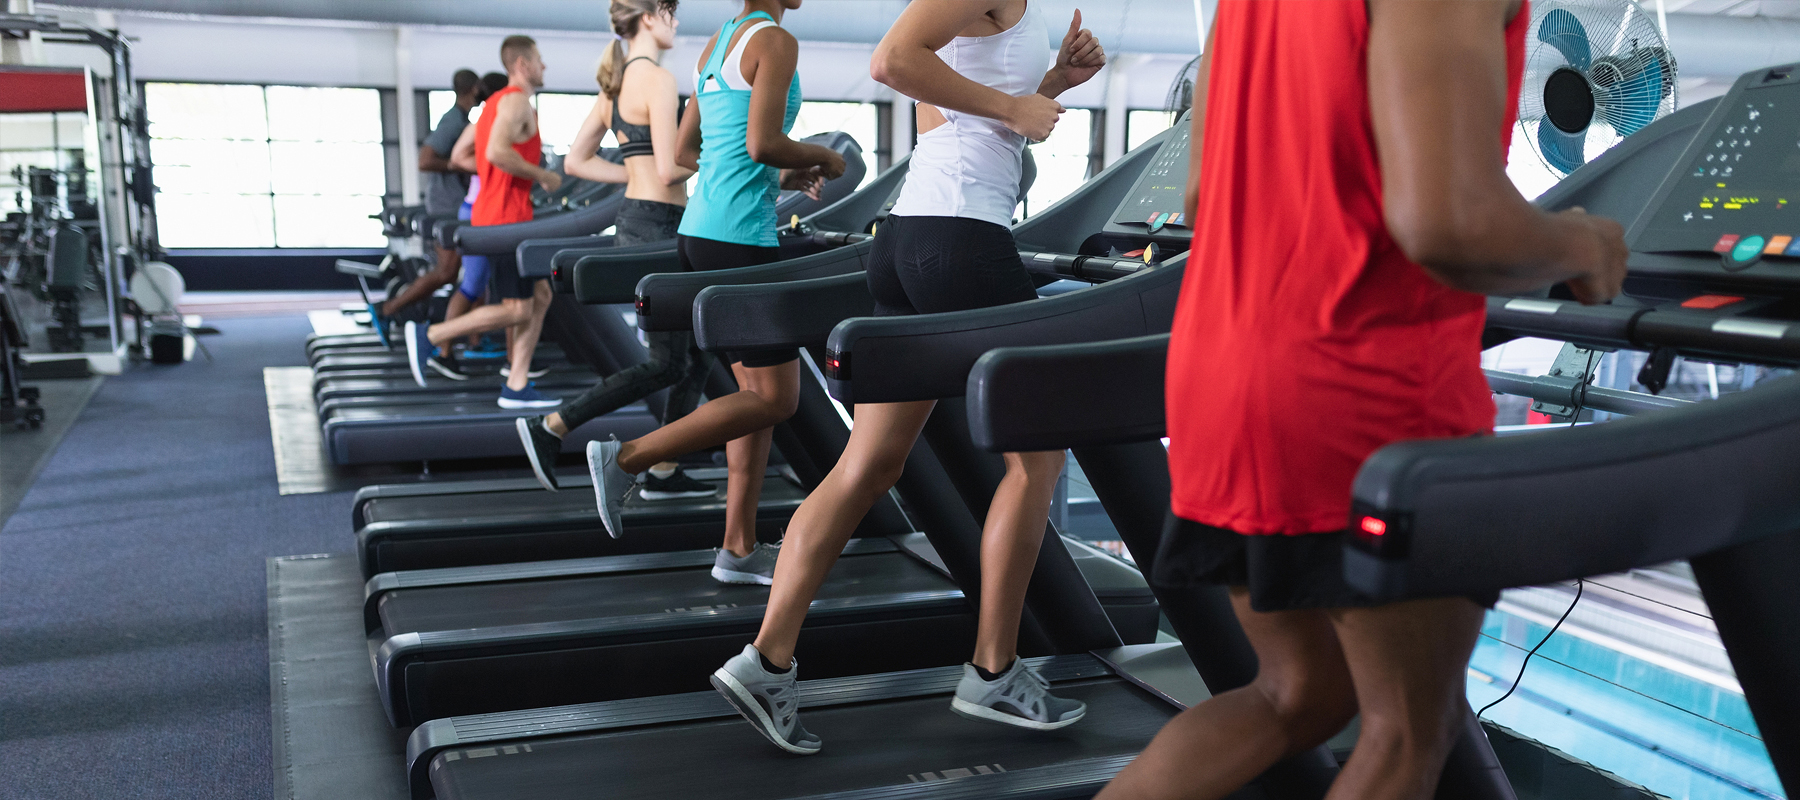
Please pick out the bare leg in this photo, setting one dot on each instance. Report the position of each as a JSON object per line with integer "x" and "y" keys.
{"x": 441, "y": 274}
{"x": 769, "y": 395}
{"x": 1009, "y": 548}
{"x": 746, "y": 458}
{"x": 1301, "y": 697}
{"x": 509, "y": 312}
{"x": 525, "y": 337}
{"x": 460, "y": 305}
{"x": 871, "y": 464}
{"x": 1410, "y": 662}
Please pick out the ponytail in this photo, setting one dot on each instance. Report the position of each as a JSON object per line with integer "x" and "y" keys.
{"x": 611, "y": 73}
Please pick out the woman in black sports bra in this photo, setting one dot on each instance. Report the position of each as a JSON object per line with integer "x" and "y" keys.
{"x": 634, "y": 85}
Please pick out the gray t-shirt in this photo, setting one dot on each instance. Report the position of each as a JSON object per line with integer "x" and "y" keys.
{"x": 444, "y": 190}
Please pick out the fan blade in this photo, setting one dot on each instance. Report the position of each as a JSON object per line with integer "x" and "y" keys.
{"x": 1631, "y": 102}
{"x": 1561, "y": 30}
{"x": 1564, "y": 151}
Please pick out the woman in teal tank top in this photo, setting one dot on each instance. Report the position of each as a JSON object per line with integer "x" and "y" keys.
{"x": 734, "y": 133}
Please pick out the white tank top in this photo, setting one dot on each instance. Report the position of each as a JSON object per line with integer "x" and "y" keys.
{"x": 969, "y": 166}
{"x": 732, "y": 71}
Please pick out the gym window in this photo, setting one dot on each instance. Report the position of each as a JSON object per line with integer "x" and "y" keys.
{"x": 1141, "y": 125}
{"x": 1063, "y": 160}
{"x": 860, "y": 120}
{"x": 266, "y": 166}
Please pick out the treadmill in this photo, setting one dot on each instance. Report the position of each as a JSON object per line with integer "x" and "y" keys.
{"x": 1130, "y": 690}
{"x": 450, "y": 524}
{"x": 1711, "y": 482}
{"x": 461, "y": 425}
{"x": 465, "y": 640}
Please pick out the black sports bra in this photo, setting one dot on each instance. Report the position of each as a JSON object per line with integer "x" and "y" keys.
{"x": 634, "y": 140}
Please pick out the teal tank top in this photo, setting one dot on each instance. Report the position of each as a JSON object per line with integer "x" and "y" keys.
{"x": 734, "y": 197}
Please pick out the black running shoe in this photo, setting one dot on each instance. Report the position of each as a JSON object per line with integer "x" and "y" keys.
{"x": 542, "y": 447}
{"x": 679, "y": 486}
{"x": 446, "y": 365}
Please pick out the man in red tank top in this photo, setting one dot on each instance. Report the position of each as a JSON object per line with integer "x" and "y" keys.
{"x": 1351, "y": 207}
{"x": 507, "y": 151}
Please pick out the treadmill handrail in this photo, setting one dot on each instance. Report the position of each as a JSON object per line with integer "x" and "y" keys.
{"x": 666, "y": 300}
{"x": 1020, "y": 398}
{"x": 536, "y": 256}
{"x": 1765, "y": 341}
{"x": 612, "y": 276}
{"x": 502, "y": 239}
{"x": 1461, "y": 516}
{"x": 732, "y": 317}
{"x": 929, "y": 356}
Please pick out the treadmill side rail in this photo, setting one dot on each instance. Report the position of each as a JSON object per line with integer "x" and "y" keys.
{"x": 432, "y": 739}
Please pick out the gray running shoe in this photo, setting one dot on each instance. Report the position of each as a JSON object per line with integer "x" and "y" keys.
{"x": 757, "y": 567}
{"x": 611, "y": 484}
{"x": 1019, "y": 697}
{"x": 770, "y": 702}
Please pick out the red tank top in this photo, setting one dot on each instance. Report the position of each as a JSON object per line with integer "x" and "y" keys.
{"x": 1304, "y": 338}
{"x": 504, "y": 197}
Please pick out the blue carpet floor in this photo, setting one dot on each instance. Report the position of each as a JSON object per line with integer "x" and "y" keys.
{"x": 133, "y": 638}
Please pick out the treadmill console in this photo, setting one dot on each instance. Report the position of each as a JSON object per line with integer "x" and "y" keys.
{"x": 1732, "y": 201}
{"x": 1152, "y": 210}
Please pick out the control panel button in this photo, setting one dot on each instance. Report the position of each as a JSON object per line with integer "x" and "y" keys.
{"x": 1778, "y": 245}
{"x": 1726, "y": 243}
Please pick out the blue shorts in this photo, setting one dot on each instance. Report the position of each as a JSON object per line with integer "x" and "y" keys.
{"x": 474, "y": 268}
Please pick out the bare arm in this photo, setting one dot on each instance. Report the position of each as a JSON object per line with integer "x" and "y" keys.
{"x": 1078, "y": 59}
{"x": 688, "y": 155}
{"x": 508, "y": 126}
{"x": 462, "y": 156}
{"x": 665, "y": 125}
{"x": 907, "y": 61}
{"x": 1197, "y": 131}
{"x": 776, "y": 53}
{"x": 1448, "y": 202}
{"x": 430, "y": 161}
{"x": 583, "y": 160}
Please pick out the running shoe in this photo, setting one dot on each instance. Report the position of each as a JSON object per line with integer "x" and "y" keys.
{"x": 418, "y": 349}
{"x": 770, "y": 702}
{"x": 542, "y": 447}
{"x": 446, "y": 365}
{"x": 380, "y": 324}
{"x": 756, "y": 567}
{"x": 528, "y": 397}
{"x": 1019, "y": 697}
{"x": 679, "y": 486}
{"x": 611, "y": 484}
{"x": 536, "y": 372}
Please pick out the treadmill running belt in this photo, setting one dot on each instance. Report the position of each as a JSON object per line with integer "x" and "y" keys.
{"x": 536, "y": 508}
{"x": 871, "y": 745}
{"x": 619, "y": 595}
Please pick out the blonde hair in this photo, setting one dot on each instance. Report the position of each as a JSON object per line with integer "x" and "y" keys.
{"x": 627, "y": 16}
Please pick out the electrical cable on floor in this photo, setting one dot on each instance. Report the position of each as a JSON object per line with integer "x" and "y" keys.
{"x": 1579, "y": 585}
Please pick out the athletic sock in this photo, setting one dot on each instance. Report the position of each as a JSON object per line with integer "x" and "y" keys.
{"x": 662, "y": 472}
{"x": 769, "y": 666}
{"x": 990, "y": 677}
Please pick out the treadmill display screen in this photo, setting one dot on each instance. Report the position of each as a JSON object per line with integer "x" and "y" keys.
{"x": 1157, "y": 199}
{"x": 1740, "y": 194}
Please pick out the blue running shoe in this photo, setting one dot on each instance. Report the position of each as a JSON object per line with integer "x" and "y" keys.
{"x": 380, "y": 324}
{"x": 418, "y": 349}
{"x": 528, "y": 397}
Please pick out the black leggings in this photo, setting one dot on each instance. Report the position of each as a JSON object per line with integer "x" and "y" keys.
{"x": 675, "y": 362}
{"x": 706, "y": 255}
{"x": 929, "y": 265}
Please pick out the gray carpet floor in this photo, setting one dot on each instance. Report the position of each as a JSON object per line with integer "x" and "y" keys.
{"x": 133, "y": 639}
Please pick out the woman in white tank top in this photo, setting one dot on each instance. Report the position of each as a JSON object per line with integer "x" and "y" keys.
{"x": 946, "y": 246}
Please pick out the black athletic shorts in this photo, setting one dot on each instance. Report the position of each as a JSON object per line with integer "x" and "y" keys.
{"x": 929, "y": 265}
{"x": 504, "y": 279}
{"x": 706, "y": 255}
{"x": 1282, "y": 572}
